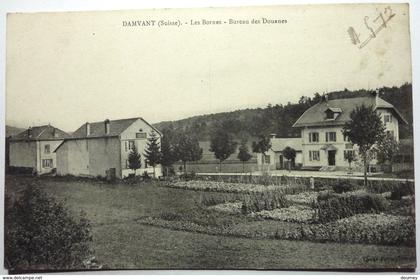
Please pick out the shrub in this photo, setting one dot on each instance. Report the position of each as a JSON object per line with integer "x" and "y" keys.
{"x": 214, "y": 198}
{"x": 401, "y": 190}
{"x": 146, "y": 176}
{"x": 41, "y": 234}
{"x": 343, "y": 186}
{"x": 257, "y": 202}
{"x": 331, "y": 207}
{"x": 188, "y": 176}
{"x": 18, "y": 170}
{"x": 170, "y": 216}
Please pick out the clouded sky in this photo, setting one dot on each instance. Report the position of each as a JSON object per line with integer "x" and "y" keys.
{"x": 70, "y": 68}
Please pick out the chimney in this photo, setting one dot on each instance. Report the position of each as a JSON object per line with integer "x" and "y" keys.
{"x": 30, "y": 132}
{"x": 272, "y": 135}
{"x": 326, "y": 97}
{"x": 87, "y": 129}
{"x": 376, "y": 94}
{"x": 107, "y": 126}
{"x": 55, "y": 134}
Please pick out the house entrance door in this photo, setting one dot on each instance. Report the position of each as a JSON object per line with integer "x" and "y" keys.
{"x": 331, "y": 158}
{"x": 280, "y": 162}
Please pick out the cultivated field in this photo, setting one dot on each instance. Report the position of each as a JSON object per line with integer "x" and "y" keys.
{"x": 153, "y": 226}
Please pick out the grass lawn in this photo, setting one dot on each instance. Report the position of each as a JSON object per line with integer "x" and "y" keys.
{"x": 121, "y": 242}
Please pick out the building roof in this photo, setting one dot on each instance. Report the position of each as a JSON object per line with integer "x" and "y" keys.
{"x": 315, "y": 115}
{"x": 278, "y": 144}
{"x": 37, "y": 133}
{"x": 97, "y": 129}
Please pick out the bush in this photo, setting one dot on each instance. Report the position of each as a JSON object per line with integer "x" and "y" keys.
{"x": 146, "y": 176}
{"x": 343, "y": 186}
{"x": 331, "y": 207}
{"x": 17, "y": 170}
{"x": 215, "y": 198}
{"x": 257, "y": 202}
{"x": 41, "y": 234}
{"x": 188, "y": 176}
{"x": 401, "y": 190}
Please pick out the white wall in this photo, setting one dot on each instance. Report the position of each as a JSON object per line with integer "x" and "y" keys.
{"x": 130, "y": 135}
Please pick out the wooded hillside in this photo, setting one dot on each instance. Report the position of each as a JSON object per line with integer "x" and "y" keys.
{"x": 279, "y": 118}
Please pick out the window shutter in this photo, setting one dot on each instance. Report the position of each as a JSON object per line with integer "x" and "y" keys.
{"x": 326, "y": 136}
{"x": 310, "y": 137}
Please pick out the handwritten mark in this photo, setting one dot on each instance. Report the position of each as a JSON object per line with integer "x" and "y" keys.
{"x": 383, "y": 18}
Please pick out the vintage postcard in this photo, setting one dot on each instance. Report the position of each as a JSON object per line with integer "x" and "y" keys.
{"x": 248, "y": 138}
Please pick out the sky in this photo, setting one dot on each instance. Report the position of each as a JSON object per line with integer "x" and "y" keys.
{"x": 70, "y": 68}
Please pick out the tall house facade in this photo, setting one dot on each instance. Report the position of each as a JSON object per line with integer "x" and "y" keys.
{"x": 323, "y": 142}
{"x": 34, "y": 148}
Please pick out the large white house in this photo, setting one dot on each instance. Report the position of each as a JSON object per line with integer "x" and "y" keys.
{"x": 102, "y": 148}
{"x": 323, "y": 142}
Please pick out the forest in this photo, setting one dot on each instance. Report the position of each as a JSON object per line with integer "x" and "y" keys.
{"x": 279, "y": 118}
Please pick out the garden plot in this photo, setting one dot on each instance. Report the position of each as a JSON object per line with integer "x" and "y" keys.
{"x": 228, "y": 207}
{"x": 294, "y": 214}
{"x": 236, "y": 187}
{"x": 304, "y": 198}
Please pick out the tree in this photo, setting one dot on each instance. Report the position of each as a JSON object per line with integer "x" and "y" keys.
{"x": 188, "y": 149}
{"x": 169, "y": 156}
{"x": 289, "y": 154}
{"x": 222, "y": 145}
{"x": 40, "y": 233}
{"x": 349, "y": 156}
{"x": 244, "y": 154}
{"x": 152, "y": 153}
{"x": 134, "y": 159}
{"x": 261, "y": 147}
{"x": 365, "y": 129}
{"x": 386, "y": 149}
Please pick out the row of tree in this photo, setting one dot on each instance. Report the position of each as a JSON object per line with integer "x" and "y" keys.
{"x": 364, "y": 129}
{"x": 175, "y": 147}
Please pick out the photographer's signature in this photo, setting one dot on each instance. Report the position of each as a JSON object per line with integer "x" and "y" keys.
{"x": 372, "y": 27}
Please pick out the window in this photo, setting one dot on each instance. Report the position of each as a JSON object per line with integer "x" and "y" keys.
{"x": 267, "y": 159}
{"x": 47, "y": 163}
{"x": 313, "y": 155}
{"x": 387, "y": 118}
{"x": 330, "y": 137}
{"x": 330, "y": 115}
{"x": 391, "y": 133}
{"x": 130, "y": 145}
{"x": 141, "y": 135}
{"x": 313, "y": 137}
{"x": 47, "y": 149}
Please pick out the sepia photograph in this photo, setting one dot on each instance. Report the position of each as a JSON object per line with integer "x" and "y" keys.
{"x": 239, "y": 138}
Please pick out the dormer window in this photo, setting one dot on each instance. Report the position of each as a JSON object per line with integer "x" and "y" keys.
{"x": 332, "y": 113}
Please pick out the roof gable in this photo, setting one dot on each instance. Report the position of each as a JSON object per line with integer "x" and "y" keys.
{"x": 315, "y": 115}
{"x": 116, "y": 127}
{"x": 44, "y": 132}
{"x": 279, "y": 144}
